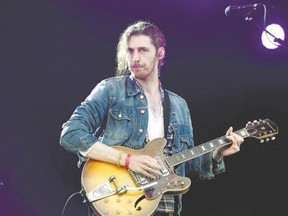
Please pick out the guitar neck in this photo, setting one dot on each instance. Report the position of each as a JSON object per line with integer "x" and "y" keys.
{"x": 191, "y": 153}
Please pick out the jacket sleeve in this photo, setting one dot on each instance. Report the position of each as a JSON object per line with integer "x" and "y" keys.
{"x": 79, "y": 132}
{"x": 202, "y": 167}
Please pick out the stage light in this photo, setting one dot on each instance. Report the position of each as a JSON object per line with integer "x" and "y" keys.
{"x": 268, "y": 40}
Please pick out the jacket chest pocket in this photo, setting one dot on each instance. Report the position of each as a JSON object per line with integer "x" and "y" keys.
{"x": 182, "y": 140}
{"x": 119, "y": 124}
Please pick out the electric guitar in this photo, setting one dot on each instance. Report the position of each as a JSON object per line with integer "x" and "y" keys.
{"x": 114, "y": 191}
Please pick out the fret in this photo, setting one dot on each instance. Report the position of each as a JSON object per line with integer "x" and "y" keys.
{"x": 191, "y": 151}
{"x": 210, "y": 146}
{"x": 196, "y": 151}
{"x": 186, "y": 155}
{"x": 173, "y": 160}
{"x": 221, "y": 142}
{"x": 243, "y": 133}
{"x": 200, "y": 149}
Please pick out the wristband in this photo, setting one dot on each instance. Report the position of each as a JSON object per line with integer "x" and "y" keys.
{"x": 127, "y": 161}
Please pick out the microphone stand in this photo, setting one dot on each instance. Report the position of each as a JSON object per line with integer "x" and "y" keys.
{"x": 249, "y": 18}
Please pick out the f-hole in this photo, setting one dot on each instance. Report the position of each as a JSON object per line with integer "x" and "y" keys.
{"x": 137, "y": 202}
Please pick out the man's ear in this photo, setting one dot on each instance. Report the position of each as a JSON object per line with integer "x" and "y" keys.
{"x": 161, "y": 53}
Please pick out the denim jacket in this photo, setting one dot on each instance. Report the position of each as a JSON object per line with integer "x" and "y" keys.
{"x": 116, "y": 113}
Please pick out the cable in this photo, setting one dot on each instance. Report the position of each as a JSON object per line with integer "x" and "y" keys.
{"x": 69, "y": 198}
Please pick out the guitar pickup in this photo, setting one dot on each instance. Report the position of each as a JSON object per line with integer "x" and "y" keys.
{"x": 138, "y": 178}
{"x": 163, "y": 169}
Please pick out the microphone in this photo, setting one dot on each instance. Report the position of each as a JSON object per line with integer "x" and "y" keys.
{"x": 237, "y": 9}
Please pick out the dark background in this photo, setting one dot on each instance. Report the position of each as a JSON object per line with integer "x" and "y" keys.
{"x": 52, "y": 53}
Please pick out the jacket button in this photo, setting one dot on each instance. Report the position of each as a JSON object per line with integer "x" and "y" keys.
{"x": 141, "y": 96}
{"x": 142, "y": 111}
{"x": 140, "y": 130}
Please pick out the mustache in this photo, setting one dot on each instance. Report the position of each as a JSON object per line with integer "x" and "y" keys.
{"x": 136, "y": 65}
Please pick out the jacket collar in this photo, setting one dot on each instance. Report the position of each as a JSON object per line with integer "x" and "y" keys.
{"x": 132, "y": 86}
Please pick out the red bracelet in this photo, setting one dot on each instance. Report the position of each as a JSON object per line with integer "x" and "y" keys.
{"x": 127, "y": 161}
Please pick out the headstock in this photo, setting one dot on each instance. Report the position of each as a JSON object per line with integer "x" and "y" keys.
{"x": 264, "y": 130}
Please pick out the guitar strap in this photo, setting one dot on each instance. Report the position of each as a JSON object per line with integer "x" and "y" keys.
{"x": 166, "y": 110}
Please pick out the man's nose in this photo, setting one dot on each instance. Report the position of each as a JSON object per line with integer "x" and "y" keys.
{"x": 136, "y": 57}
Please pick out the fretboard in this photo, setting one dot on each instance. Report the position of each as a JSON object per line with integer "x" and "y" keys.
{"x": 191, "y": 153}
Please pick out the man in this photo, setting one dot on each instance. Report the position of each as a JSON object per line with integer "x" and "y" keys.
{"x": 128, "y": 110}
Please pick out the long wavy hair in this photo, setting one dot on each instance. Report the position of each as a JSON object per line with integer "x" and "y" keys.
{"x": 138, "y": 28}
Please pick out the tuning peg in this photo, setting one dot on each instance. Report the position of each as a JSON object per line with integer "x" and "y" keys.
{"x": 262, "y": 141}
{"x": 273, "y": 138}
{"x": 267, "y": 139}
{"x": 248, "y": 123}
{"x": 255, "y": 121}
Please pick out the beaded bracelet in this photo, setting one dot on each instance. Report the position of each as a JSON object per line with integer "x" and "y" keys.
{"x": 127, "y": 161}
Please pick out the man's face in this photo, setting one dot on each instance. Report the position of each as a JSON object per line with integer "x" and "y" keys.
{"x": 142, "y": 57}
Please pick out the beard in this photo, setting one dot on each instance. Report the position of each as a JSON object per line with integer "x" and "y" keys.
{"x": 142, "y": 71}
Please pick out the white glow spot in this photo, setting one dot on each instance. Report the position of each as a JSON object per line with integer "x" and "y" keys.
{"x": 268, "y": 40}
